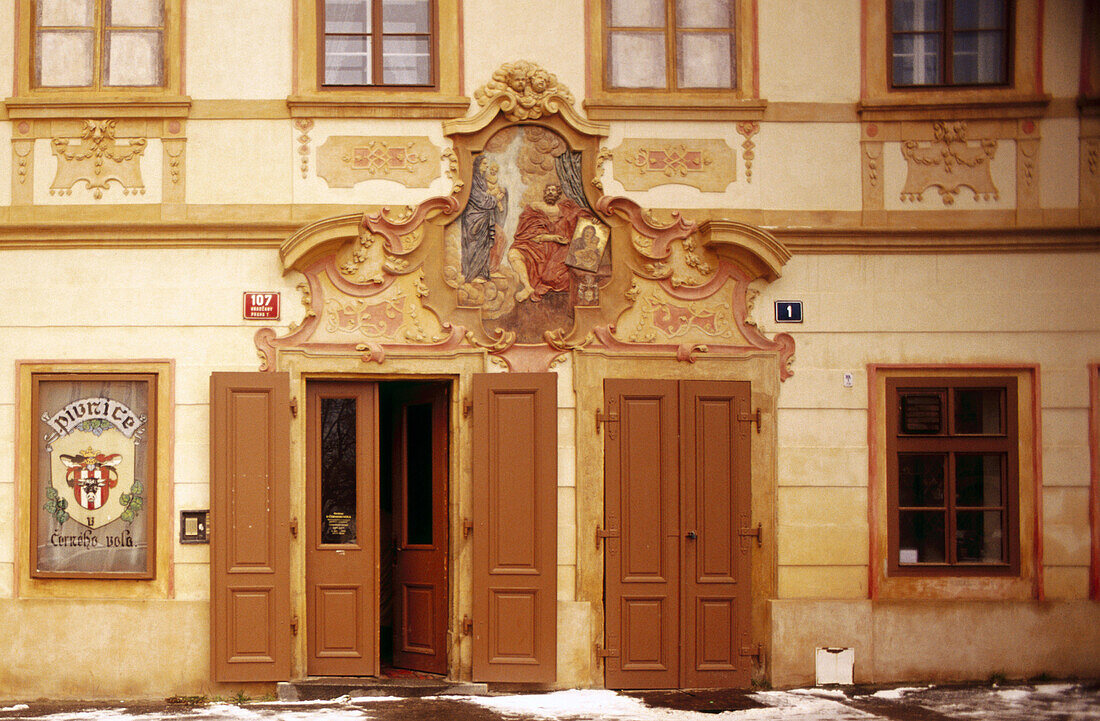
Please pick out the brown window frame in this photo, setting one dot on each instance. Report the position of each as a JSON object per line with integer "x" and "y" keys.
{"x": 100, "y": 29}
{"x": 947, "y": 35}
{"x": 150, "y": 439}
{"x": 376, "y": 50}
{"x": 950, "y": 444}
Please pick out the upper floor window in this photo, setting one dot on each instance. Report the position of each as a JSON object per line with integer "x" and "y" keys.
{"x": 99, "y": 44}
{"x": 950, "y": 42}
{"x": 377, "y": 42}
{"x": 670, "y": 44}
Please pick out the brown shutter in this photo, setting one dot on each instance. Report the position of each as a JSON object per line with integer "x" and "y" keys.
{"x": 515, "y": 527}
{"x": 249, "y": 514}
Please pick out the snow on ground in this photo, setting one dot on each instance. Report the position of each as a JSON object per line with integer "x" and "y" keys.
{"x": 894, "y": 694}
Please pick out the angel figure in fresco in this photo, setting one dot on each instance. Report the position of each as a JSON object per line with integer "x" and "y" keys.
{"x": 482, "y": 222}
{"x": 540, "y": 245}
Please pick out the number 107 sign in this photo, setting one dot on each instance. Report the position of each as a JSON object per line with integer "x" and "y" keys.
{"x": 261, "y": 306}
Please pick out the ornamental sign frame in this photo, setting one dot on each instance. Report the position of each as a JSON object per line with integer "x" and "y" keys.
{"x": 93, "y": 471}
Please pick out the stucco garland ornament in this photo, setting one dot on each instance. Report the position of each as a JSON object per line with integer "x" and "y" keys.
{"x": 526, "y": 91}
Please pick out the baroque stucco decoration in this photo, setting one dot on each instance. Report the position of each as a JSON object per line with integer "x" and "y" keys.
{"x": 524, "y": 261}
{"x": 948, "y": 163}
{"x": 98, "y": 158}
{"x": 343, "y": 161}
{"x": 641, "y": 164}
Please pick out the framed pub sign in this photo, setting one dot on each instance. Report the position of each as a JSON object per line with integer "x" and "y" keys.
{"x": 93, "y": 475}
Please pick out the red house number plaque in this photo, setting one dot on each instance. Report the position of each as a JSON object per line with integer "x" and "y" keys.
{"x": 261, "y": 306}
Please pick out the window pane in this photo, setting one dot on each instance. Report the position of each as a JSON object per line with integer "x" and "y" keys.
{"x": 636, "y": 60}
{"x": 65, "y": 13}
{"x": 64, "y": 58}
{"x": 406, "y": 61}
{"x": 347, "y": 16}
{"x": 979, "y": 14}
{"x": 978, "y": 537}
{"x": 921, "y": 480}
{"x": 978, "y": 411}
{"x": 338, "y": 487}
{"x": 921, "y": 537}
{"x": 922, "y": 413}
{"x": 636, "y": 13}
{"x": 979, "y": 58}
{"x": 347, "y": 61}
{"x": 147, "y": 13}
{"x": 917, "y": 60}
{"x": 406, "y": 16}
{"x": 704, "y": 60}
{"x": 912, "y": 15}
{"x": 978, "y": 480}
{"x": 418, "y": 474}
{"x": 704, "y": 13}
{"x": 134, "y": 58}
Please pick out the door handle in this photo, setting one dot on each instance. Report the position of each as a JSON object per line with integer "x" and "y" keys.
{"x": 691, "y": 535}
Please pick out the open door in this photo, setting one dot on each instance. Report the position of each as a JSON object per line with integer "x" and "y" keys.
{"x": 419, "y": 491}
{"x": 250, "y": 526}
{"x": 515, "y": 527}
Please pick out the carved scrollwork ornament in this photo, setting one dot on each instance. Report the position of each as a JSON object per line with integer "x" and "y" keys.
{"x": 528, "y": 92}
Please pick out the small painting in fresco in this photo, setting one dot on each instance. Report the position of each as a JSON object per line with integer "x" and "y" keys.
{"x": 527, "y": 241}
{"x": 94, "y": 476}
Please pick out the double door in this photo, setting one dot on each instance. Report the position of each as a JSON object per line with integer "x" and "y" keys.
{"x": 676, "y": 565}
{"x": 376, "y": 535}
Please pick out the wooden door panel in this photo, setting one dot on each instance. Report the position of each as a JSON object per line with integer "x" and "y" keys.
{"x": 420, "y": 477}
{"x": 341, "y": 529}
{"x": 715, "y": 497}
{"x": 642, "y": 555}
{"x": 250, "y": 526}
{"x": 515, "y": 527}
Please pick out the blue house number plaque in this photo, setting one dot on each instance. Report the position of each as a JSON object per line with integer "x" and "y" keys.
{"x": 788, "y": 311}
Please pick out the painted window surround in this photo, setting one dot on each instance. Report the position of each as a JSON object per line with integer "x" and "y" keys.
{"x": 1022, "y": 96}
{"x": 310, "y": 99}
{"x": 162, "y": 584}
{"x": 167, "y": 101}
{"x": 741, "y": 103}
{"x": 1027, "y": 583}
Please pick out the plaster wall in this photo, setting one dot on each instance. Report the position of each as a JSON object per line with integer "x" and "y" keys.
{"x": 809, "y": 51}
{"x": 238, "y": 50}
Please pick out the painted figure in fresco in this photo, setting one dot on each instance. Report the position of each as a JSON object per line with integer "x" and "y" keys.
{"x": 482, "y": 236}
{"x": 541, "y": 244}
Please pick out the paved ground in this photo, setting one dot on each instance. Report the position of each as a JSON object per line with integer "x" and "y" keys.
{"x": 1068, "y": 701}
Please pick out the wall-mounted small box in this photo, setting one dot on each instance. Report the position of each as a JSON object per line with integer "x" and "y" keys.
{"x": 834, "y": 665}
{"x": 193, "y": 526}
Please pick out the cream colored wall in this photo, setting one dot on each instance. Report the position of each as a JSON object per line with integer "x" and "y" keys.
{"x": 238, "y": 50}
{"x": 810, "y": 50}
{"x": 1062, "y": 47}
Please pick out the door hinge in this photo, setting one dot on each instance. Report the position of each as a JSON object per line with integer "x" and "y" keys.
{"x": 756, "y": 652}
{"x": 294, "y": 527}
{"x": 753, "y": 417}
{"x": 294, "y": 625}
{"x": 602, "y": 418}
{"x": 467, "y": 527}
{"x": 467, "y": 407}
{"x": 294, "y": 406}
{"x": 604, "y": 653}
{"x": 758, "y": 531}
{"x": 601, "y": 533}
{"x": 467, "y": 625}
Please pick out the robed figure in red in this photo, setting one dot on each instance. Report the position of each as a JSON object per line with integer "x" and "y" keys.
{"x": 541, "y": 244}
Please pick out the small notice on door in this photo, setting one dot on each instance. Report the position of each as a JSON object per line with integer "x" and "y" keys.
{"x": 339, "y": 524}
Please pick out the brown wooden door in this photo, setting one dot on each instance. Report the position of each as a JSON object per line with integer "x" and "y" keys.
{"x": 420, "y": 459}
{"x": 250, "y": 526}
{"x": 515, "y": 527}
{"x": 714, "y": 505}
{"x": 677, "y": 571}
{"x": 341, "y": 535}
{"x": 642, "y": 568}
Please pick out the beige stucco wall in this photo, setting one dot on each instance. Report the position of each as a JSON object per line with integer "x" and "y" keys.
{"x": 239, "y": 50}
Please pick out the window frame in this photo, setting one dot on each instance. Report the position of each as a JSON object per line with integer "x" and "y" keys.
{"x": 1021, "y": 96}
{"x": 947, "y": 34}
{"x": 33, "y": 101}
{"x": 671, "y": 103}
{"x": 952, "y": 444}
{"x": 311, "y": 98}
{"x": 376, "y": 49}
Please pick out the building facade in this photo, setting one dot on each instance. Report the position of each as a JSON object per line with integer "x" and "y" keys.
{"x": 664, "y": 344}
